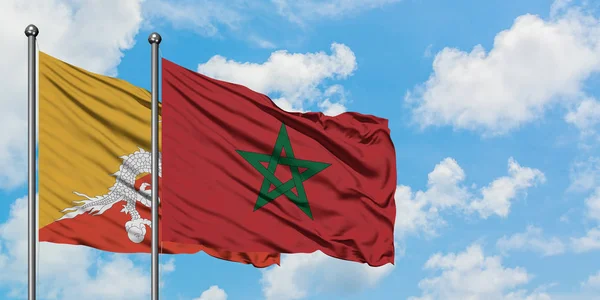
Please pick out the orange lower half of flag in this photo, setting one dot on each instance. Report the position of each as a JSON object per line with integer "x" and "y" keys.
{"x": 107, "y": 232}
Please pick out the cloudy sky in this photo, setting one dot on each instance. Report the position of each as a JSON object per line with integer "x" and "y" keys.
{"x": 494, "y": 111}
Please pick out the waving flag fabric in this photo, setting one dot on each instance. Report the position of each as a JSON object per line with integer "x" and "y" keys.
{"x": 241, "y": 174}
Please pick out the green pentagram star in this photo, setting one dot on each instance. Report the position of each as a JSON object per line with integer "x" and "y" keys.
{"x": 312, "y": 168}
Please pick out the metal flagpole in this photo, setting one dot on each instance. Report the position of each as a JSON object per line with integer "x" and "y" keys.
{"x": 31, "y": 32}
{"x": 154, "y": 39}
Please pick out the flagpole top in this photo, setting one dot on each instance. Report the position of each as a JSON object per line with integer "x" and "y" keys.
{"x": 154, "y": 38}
{"x": 32, "y": 30}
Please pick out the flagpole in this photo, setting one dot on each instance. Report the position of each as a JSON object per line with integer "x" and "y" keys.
{"x": 31, "y": 32}
{"x": 154, "y": 39}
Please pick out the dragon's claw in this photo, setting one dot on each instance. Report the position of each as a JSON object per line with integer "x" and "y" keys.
{"x": 145, "y": 195}
{"x": 136, "y": 229}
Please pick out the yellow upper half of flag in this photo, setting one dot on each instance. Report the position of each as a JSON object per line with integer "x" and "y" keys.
{"x": 86, "y": 123}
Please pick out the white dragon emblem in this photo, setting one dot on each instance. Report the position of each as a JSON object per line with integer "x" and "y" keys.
{"x": 123, "y": 190}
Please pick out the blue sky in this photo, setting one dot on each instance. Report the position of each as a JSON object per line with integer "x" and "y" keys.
{"x": 493, "y": 110}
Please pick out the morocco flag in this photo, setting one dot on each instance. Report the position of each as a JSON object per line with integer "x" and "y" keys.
{"x": 241, "y": 174}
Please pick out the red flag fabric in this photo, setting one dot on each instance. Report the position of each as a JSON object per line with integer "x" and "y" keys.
{"x": 241, "y": 174}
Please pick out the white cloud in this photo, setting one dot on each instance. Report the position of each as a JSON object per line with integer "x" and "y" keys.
{"x": 472, "y": 275}
{"x": 585, "y": 117}
{"x": 200, "y": 16}
{"x": 331, "y": 109}
{"x": 167, "y": 267}
{"x": 117, "y": 278}
{"x": 261, "y": 42}
{"x": 592, "y": 203}
{"x": 213, "y": 293}
{"x": 533, "y": 65}
{"x": 66, "y": 271}
{"x": 427, "y": 53}
{"x": 496, "y": 196}
{"x": 523, "y": 295}
{"x": 293, "y": 79}
{"x": 559, "y": 6}
{"x": 593, "y": 282}
{"x": 585, "y": 175}
{"x": 332, "y": 106}
{"x": 317, "y": 272}
{"x": 301, "y": 11}
{"x": 68, "y": 30}
{"x": 420, "y": 211}
{"x": 532, "y": 239}
{"x": 589, "y": 242}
